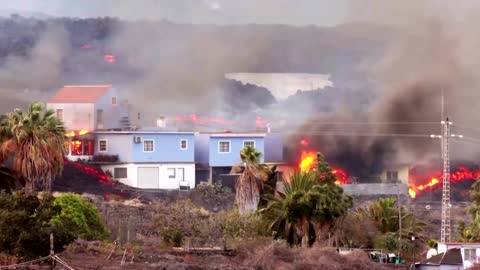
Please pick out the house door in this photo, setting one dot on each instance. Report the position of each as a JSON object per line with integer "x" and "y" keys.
{"x": 148, "y": 177}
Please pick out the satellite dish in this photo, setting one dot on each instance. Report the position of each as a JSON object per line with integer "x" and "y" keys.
{"x": 428, "y": 207}
{"x": 431, "y": 252}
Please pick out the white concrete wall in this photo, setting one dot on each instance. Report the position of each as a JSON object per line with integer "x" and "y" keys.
{"x": 164, "y": 181}
{"x": 76, "y": 116}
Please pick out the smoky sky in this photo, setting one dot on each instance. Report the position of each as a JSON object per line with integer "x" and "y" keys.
{"x": 305, "y": 12}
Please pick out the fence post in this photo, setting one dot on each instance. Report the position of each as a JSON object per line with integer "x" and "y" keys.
{"x": 52, "y": 252}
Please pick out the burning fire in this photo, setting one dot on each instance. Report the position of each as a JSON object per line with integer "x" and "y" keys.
{"x": 307, "y": 162}
{"x": 461, "y": 174}
{"x": 72, "y": 133}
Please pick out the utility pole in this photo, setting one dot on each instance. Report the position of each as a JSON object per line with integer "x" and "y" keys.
{"x": 399, "y": 223}
{"x": 446, "y": 224}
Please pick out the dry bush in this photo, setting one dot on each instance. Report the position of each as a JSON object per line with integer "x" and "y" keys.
{"x": 183, "y": 221}
{"x": 7, "y": 259}
{"x": 278, "y": 255}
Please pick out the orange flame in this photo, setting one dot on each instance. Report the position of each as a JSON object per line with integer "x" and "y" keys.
{"x": 72, "y": 133}
{"x": 307, "y": 162}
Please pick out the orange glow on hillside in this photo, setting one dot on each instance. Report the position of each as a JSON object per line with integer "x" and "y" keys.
{"x": 461, "y": 174}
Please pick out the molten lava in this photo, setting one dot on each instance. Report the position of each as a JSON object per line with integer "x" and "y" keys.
{"x": 109, "y": 58}
{"x": 308, "y": 160}
{"x": 461, "y": 174}
{"x": 304, "y": 142}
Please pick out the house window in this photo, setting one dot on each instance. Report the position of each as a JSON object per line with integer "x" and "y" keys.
{"x": 82, "y": 148}
{"x": 392, "y": 175}
{"x": 60, "y": 114}
{"x": 470, "y": 254}
{"x": 102, "y": 146}
{"x": 148, "y": 146}
{"x": 114, "y": 100}
{"x": 171, "y": 172}
{"x": 183, "y": 144}
{"x": 248, "y": 144}
{"x": 119, "y": 173}
{"x": 100, "y": 119}
{"x": 224, "y": 147}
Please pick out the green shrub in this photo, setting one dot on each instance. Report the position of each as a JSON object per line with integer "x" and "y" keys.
{"x": 25, "y": 225}
{"x": 173, "y": 236}
{"x": 80, "y": 216}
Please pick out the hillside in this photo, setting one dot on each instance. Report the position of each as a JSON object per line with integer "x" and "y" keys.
{"x": 176, "y": 61}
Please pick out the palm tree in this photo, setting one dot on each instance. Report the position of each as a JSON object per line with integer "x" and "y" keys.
{"x": 34, "y": 140}
{"x": 385, "y": 217}
{"x": 249, "y": 184}
{"x": 307, "y": 206}
{"x": 289, "y": 213}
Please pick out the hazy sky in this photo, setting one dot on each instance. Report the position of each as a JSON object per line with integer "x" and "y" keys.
{"x": 300, "y": 12}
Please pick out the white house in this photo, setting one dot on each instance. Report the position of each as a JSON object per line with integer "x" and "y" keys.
{"x": 88, "y": 107}
{"x": 470, "y": 251}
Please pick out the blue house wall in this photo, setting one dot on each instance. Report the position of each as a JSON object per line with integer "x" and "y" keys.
{"x": 232, "y": 158}
{"x": 166, "y": 147}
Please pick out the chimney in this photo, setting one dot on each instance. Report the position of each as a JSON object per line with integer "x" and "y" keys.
{"x": 161, "y": 122}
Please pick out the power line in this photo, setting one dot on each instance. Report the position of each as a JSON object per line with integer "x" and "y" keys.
{"x": 465, "y": 127}
{"x": 466, "y": 142}
{"x": 353, "y": 134}
{"x": 374, "y": 123}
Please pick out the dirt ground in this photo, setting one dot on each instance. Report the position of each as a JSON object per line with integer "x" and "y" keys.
{"x": 123, "y": 207}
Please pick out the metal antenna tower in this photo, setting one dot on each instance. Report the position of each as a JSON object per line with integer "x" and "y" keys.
{"x": 446, "y": 225}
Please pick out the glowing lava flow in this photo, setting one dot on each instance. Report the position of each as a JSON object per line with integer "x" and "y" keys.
{"x": 109, "y": 58}
{"x": 461, "y": 174}
{"x": 307, "y": 162}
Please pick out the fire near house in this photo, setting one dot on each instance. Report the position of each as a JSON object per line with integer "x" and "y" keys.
{"x": 157, "y": 156}
{"x": 84, "y": 108}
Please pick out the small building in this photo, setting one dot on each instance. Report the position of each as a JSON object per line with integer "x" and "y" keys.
{"x": 147, "y": 159}
{"x": 395, "y": 174}
{"x": 470, "y": 252}
{"x": 451, "y": 259}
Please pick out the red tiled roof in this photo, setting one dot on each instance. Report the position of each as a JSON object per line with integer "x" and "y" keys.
{"x": 79, "y": 93}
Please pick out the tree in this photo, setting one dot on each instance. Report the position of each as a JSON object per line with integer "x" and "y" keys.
{"x": 471, "y": 232}
{"x": 25, "y": 225}
{"x": 383, "y": 215}
{"x": 332, "y": 203}
{"x": 307, "y": 206}
{"x": 250, "y": 184}
{"x": 35, "y": 142}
